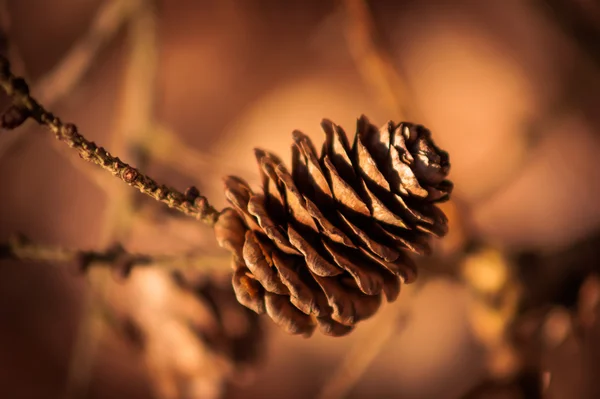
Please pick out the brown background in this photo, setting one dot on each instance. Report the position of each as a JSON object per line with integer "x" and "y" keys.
{"x": 503, "y": 88}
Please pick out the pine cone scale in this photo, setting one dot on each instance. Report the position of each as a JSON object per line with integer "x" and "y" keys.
{"x": 257, "y": 261}
{"x": 403, "y": 268}
{"x": 384, "y": 252}
{"x": 287, "y": 316}
{"x": 327, "y": 228}
{"x": 248, "y": 290}
{"x": 330, "y": 327}
{"x": 348, "y": 306}
{"x": 322, "y": 244}
{"x": 257, "y": 209}
{"x": 343, "y": 192}
{"x": 314, "y": 261}
{"x": 368, "y": 281}
{"x": 380, "y": 211}
{"x": 368, "y": 168}
{"x": 310, "y": 172}
{"x": 336, "y": 149}
{"x": 295, "y": 200}
{"x": 230, "y": 233}
{"x": 301, "y": 295}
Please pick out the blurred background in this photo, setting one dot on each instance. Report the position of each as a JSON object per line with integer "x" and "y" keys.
{"x": 506, "y": 308}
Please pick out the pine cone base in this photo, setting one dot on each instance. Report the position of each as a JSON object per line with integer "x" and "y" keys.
{"x": 322, "y": 244}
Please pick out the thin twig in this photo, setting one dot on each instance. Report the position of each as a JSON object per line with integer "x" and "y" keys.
{"x": 109, "y": 19}
{"x": 136, "y": 115}
{"x": 374, "y": 62}
{"x": 22, "y": 249}
{"x": 65, "y": 76}
{"x": 196, "y": 206}
{"x": 167, "y": 147}
{"x": 135, "y": 119}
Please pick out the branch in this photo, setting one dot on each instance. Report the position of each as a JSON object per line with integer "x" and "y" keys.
{"x": 134, "y": 122}
{"x": 61, "y": 80}
{"x": 166, "y": 146}
{"x": 22, "y": 249}
{"x": 136, "y": 115}
{"x": 191, "y": 203}
{"x": 374, "y": 61}
{"x": 68, "y": 73}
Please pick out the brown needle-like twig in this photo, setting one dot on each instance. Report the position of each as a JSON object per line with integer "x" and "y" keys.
{"x": 64, "y": 77}
{"x": 374, "y": 62}
{"x": 134, "y": 123}
{"x": 191, "y": 204}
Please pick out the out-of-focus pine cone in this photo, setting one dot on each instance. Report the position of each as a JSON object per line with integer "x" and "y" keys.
{"x": 196, "y": 340}
{"x": 319, "y": 245}
{"x": 239, "y": 335}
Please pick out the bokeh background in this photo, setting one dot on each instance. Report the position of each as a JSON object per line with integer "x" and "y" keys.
{"x": 186, "y": 89}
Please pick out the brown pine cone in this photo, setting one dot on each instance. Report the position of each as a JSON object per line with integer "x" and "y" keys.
{"x": 319, "y": 245}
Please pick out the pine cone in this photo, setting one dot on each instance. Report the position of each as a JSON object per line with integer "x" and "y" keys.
{"x": 321, "y": 244}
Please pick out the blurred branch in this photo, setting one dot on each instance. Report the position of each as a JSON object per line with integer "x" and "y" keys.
{"x": 191, "y": 204}
{"x": 364, "y": 352}
{"x": 61, "y": 80}
{"x": 136, "y": 114}
{"x": 168, "y": 147}
{"x": 22, "y": 249}
{"x": 374, "y": 61}
{"x": 66, "y": 75}
{"x": 165, "y": 145}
